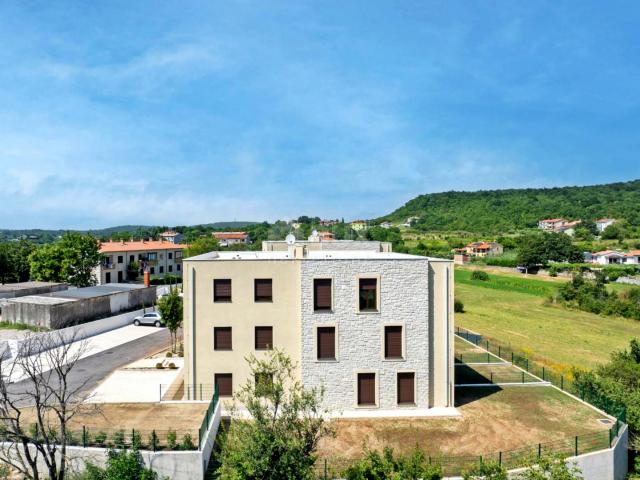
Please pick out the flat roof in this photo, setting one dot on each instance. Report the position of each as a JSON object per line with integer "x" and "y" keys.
{"x": 311, "y": 255}
{"x": 96, "y": 291}
{"x": 12, "y": 287}
{"x": 40, "y": 300}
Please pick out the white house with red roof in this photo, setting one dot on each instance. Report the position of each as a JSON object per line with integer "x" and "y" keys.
{"x": 603, "y": 223}
{"x": 226, "y": 239}
{"x": 158, "y": 257}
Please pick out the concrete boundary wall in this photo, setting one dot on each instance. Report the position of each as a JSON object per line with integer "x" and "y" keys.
{"x": 177, "y": 465}
{"x": 76, "y": 332}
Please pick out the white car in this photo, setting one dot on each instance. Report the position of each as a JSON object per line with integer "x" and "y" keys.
{"x": 151, "y": 318}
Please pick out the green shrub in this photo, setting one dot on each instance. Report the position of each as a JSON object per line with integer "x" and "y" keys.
{"x": 479, "y": 275}
{"x": 458, "y": 306}
{"x": 100, "y": 438}
{"x": 120, "y": 465}
{"x": 486, "y": 471}
{"x": 187, "y": 442}
{"x": 376, "y": 466}
{"x": 118, "y": 439}
{"x": 169, "y": 355}
{"x": 172, "y": 440}
{"x": 159, "y": 366}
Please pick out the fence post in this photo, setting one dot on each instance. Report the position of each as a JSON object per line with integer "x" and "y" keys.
{"x": 561, "y": 382}
{"x": 576, "y": 445}
{"x": 499, "y": 348}
{"x": 491, "y": 377}
{"x": 84, "y": 436}
{"x": 325, "y": 469}
{"x": 543, "y": 374}
{"x": 511, "y": 358}
{"x": 488, "y": 346}
{"x": 153, "y": 440}
{"x": 133, "y": 436}
{"x": 522, "y": 377}
{"x": 488, "y": 357}
{"x": 539, "y": 450}
{"x": 500, "y": 457}
{"x": 527, "y": 360}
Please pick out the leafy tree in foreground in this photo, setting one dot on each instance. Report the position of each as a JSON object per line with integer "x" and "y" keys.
{"x": 202, "y": 245}
{"x": 486, "y": 471}
{"x": 285, "y": 425}
{"x": 551, "y": 467}
{"x": 72, "y": 259}
{"x": 542, "y": 248}
{"x": 171, "y": 307}
{"x": 121, "y": 465}
{"x": 375, "y": 466}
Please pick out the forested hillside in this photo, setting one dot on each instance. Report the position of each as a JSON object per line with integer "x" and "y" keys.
{"x": 507, "y": 210}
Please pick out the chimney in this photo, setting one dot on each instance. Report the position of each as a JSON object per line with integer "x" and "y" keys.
{"x": 299, "y": 251}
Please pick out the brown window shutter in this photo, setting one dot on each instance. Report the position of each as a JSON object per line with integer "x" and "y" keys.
{"x": 263, "y": 290}
{"x": 222, "y": 338}
{"x": 224, "y": 382}
{"x": 406, "y": 387}
{"x": 264, "y": 338}
{"x": 366, "y": 389}
{"x": 326, "y": 343}
{"x": 393, "y": 342}
{"x": 322, "y": 294}
{"x": 222, "y": 290}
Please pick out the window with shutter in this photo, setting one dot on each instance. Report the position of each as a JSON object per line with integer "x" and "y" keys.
{"x": 326, "y": 337}
{"x": 393, "y": 342}
{"x": 263, "y": 290}
{"x": 366, "y": 389}
{"x": 406, "y": 388}
{"x": 222, "y": 338}
{"x": 224, "y": 383}
{"x": 368, "y": 294}
{"x": 322, "y": 294}
{"x": 264, "y": 338}
{"x": 222, "y": 290}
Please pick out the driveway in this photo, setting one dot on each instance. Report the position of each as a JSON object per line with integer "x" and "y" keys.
{"x": 94, "y": 368}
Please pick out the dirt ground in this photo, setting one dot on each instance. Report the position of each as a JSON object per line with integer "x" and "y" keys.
{"x": 493, "y": 420}
{"x": 141, "y": 416}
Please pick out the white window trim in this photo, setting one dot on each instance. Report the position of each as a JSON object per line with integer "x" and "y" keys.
{"x": 404, "y": 341}
{"x": 377, "y": 390}
{"x": 415, "y": 389}
{"x": 378, "y": 310}
{"x": 336, "y": 339}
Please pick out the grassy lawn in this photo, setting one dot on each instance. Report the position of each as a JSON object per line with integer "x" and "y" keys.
{"x": 20, "y": 326}
{"x": 493, "y": 420}
{"x": 515, "y": 311}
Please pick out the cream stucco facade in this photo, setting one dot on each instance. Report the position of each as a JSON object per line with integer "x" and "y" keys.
{"x": 413, "y": 292}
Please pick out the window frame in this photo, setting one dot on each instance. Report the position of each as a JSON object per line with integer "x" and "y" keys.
{"x": 403, "y": 335}
{"x": 378, "y": 308}
{"x": 255, "y": 291}
{"x": 222, "y": 299}
{"x": 215, "y": 348}
{"x": 255, "y": 338}
{"x": 415, "y": 389}
{"x": 215, "y": 383}
{"x": 336, "y": 351}
{"x": 332, "y": 289}
{"x": 376, "y": 392}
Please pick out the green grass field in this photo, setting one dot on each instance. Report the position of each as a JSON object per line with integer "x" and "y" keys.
{"x": 516, "y": 311}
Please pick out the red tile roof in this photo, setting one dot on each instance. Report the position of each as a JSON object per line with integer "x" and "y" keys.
{"x": 230, "y": 235}
{"x": 139, "y": 245}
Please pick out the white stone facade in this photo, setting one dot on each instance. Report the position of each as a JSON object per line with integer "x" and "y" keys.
{"x": 403, "y": 300}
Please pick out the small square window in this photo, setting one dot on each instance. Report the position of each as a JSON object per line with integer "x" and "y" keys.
{"x": 264, "y": 338}
{"x": 263, "y": 291}
{"x": 222, "y": 290}
{"x": 222, "y": 338}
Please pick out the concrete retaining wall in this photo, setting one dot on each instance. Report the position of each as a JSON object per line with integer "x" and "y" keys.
{"x": 176, "y": 465}
{"x": 56, "y": 313}
{"x": 34, "y": 290}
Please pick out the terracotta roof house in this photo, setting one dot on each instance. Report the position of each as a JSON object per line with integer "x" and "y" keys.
{"x": 158, "y": 257}
{"x": 226, "y": 239}
{"x": 171, "y": 236}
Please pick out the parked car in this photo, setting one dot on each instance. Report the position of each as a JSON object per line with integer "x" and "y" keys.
{"x": 151, "y": 318}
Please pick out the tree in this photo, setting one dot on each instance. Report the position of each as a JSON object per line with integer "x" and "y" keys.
{"x": 121, "y": 465}
{"x": 6, "y": 267}
{"x": 551, "y": 467}
{"x": 542, "y": 248}
{"x": 486, "y": 471}
{"x": 170, "y": 307}
{"x": 35, "y": 413}
{"x": 72, "y": 259}
{"x": 14, "y": 261}
{"x": 202, "y": 245}
{"x": 613, "y": 232}
{"x": 286, "y": 423}
{"x": 387, "y": 466}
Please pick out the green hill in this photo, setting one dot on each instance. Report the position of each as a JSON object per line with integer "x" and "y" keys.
{"x": 512, "y": 209}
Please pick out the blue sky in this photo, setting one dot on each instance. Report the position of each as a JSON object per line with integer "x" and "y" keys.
{"x": 193, "y": 112}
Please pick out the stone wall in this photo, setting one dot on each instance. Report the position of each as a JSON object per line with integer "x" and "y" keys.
{"x": 359, "y": 336}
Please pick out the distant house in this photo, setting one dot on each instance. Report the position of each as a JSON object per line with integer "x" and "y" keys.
{"x": 609, "y": 257}
{"x": 171, "y": 236}
{"x": 323, "y": 236}
{"x": 226, "y": 239}
{"x": 603, "y": 223}
{"x": 551, "y": 223}
{"x": 328, "y": 223}
{"x": 358, "y": 225}
{"x": 386, "y": 225}
{"x": 559, "y": 225}
{"x": 158, "y": 257}
{"x": 480, "y": 249}
{"x": 633, "y": 257}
